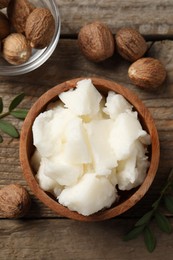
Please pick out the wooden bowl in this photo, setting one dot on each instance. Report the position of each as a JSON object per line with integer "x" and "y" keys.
{"x": 128, "y": 198}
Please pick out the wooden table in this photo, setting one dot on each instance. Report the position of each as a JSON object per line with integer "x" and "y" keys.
{"x": 42, "y": 234}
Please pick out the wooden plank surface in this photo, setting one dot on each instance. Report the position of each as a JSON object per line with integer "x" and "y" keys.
{"x": 42, "y": 234}
{"x": 70, "y": 240}
{"x": 149, "y": 17}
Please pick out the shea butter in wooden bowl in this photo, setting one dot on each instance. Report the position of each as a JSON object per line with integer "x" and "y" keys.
{"x": 102, "y": 180}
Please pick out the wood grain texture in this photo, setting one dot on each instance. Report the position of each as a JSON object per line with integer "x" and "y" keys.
{"x": 149, "y": 17}
{"x": 71, "y": 240}
{"x": 67, "y": 62}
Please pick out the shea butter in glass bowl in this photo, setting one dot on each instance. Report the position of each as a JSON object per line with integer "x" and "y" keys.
{"x": 39, "y": 56}
{"x": 127, "y": 199}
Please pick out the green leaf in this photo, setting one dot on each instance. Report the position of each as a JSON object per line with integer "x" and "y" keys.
{"x": 1, "y": 139}
{"x": 162, "y": 222}
{"x": 156, "y": 204}
{"x": 9, "y": 129}
{"x": 145, "y": 219}
{"x": 133, "y": 233}
{"x": 21, "y": 114}
{"x": 168, "y": 202}
{"x": 16, "y": 101}
{"x": 1, "y": 105}
{"x": 149, "y": 239}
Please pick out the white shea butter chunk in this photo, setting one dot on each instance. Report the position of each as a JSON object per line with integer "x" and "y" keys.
{"x": 48, "y": 130}
{"x": 90, "y": 195}
{"x": 131, "y": 172}
{"x": 76, "y": 147}
{"x": 41, "y": 131}
{"x": 45, "y": 182}
{"x": 83, "y": 100}
{"x": 115, "y": 105}
{"x": 104, "y": 158}
{"x": 125, "y": 131}
{"x": 60, "y": 171}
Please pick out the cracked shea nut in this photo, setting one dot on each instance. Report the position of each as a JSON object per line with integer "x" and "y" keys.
{"x": 4, "y": 26}
{"x": 14, "y": 201}
{"x": 96, "y": 41}
{"x": 18, "y": 11}
{"x": 148, "y": 73}
{"x": 130, "y": 44}
{"x": 16, "y": 49}
{"x": 40, "y": 28}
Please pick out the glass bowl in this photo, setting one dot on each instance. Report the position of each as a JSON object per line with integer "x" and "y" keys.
{"x": 128, "y": 198}
{"x": 39, "y": 56}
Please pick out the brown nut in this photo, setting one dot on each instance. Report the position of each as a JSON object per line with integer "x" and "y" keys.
{"x": 14, "y": 201}
{"x": 96, "y": 41}
{"x": 40, "y": 28}
{"x": 4, "y": 3}
{"x": 4, "y": 26}
{"x": 18, "y": 11}
{"x": 148, "y": 73}
{"x": 16, "y": 49}
{"x": 130, "y": 44}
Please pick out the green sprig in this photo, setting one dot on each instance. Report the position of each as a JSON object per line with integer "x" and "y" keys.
{"x": 142, "y": 226}
{"x": 5, "y": 126}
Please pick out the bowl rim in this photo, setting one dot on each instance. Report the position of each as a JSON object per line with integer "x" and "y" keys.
{"x": 28, "y": 173}
{"x": 32, "y": 64}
